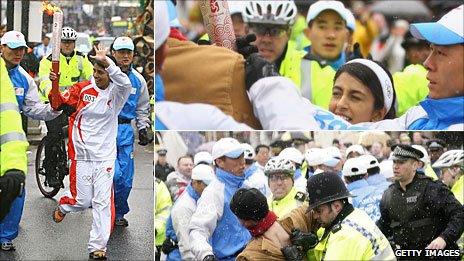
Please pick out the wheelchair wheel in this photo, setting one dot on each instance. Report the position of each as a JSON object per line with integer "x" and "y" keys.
{"x": 47, "y": 191}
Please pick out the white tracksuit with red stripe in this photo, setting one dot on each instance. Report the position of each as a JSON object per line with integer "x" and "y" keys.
{"x": 92, "y": 150}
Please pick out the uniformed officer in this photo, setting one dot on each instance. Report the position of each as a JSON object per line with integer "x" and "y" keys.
{"x": 162, "y": 167}
{"x": 13, "y": 161}
{"x": 285, "y": 197}
{"x": 347, "y": 233}
{"x": 416, "y": 211}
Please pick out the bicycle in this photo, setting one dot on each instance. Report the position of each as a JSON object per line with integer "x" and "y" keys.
{"x": 53, "y": 167}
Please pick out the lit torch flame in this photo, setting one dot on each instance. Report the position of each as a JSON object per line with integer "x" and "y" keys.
{"x": 50, "y": 8}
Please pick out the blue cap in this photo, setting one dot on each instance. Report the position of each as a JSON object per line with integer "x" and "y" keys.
{"x": 447, "y": 31}
{"x": 123, "y": 42}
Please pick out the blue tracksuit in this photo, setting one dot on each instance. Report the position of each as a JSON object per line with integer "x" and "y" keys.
{"x": 379, "y": 181}
{"x": 124, "y": 166}
{"x": 367, "y": 198}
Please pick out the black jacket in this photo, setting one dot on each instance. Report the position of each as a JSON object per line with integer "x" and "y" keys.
{"x": 426, "y": 210}
{"x": 162, "y": 172}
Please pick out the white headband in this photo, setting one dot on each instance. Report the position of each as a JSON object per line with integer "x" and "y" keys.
{"x": 385, "y": 82}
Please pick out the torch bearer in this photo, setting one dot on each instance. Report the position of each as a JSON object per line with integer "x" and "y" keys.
{"x": 218, "y": 22}
{"x": 56, "y": 41}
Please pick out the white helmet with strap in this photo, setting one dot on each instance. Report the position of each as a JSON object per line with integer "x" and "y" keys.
{"x": 67, "y": 33}
{"x": 279, "y": 12}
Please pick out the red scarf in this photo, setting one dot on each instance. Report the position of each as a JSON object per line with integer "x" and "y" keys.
{"x": 264, "y": 224}
{"x": 175, "y": 33}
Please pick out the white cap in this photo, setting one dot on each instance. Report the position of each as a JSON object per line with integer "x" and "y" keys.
{"x": 161, "y": 23}
{"x": 202, "y": 156}
{"x": 369, "y": 161}
{"x": 350, "y": 20}
{"x": 332, "y": 156}
{"x": 386, "y": 168}
{"x": 320, "y": 6}
{"x": 355, "y": 148}
{"x": 203, "y": 173}
{"x": 353, "y": 167}
{"x": 228, "y": 147}
{"x": 448, "y": 30}
{"x": 315, "y": 156}
{"x": 123, "y": 42}
{"x": 425, "y": 159}
{"x": 13, "y": 39}
{"x": 292, "y": 154}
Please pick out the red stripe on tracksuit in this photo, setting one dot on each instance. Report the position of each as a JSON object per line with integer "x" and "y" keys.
{"x": 72, "y": 186}
{"x": 113, "y": 210}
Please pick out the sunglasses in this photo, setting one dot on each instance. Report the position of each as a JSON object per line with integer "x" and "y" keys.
{"x": 273, "y": 31}
{"x": 277, "y": 177}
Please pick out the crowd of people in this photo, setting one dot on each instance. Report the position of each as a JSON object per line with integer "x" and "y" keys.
{"x": 99, "y": 97}
{"x": 339, "y": 68}
{"x": 294, "y": 200}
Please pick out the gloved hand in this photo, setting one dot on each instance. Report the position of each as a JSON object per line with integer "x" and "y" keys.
{"x": 146, "y": 136}
{"x": 292, "y": 253}
{"x": 306, "y": 241}
{"x": 244, "y": 47}
{"x": 168, "y": 246}
{"x": 67, "y": 109}
{"x": 256, "y": 68}
{"x": 210, "y": 258}
{"x": 11, "y": 186}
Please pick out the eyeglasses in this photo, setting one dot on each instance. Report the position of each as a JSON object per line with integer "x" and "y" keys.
{"x": 67, "y": 41}
{"x": 273, "y": 31}
{"x": 277, "y": 177}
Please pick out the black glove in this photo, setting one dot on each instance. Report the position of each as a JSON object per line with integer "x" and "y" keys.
{"x": 146, "y": 136}
{"x": 11, "y": 186}
{"x": 256, "y": 67}
{"x": 168, "y": 246}
{"x": 67, "y": 109}
{"x": 210, "y": 258}
{"x": 244, "y": 47}
{"x": 292, "y": 253}
{"x": 306, "y": 241}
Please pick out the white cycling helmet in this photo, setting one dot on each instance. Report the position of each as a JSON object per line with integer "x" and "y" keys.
{"x": 450, "y": 158}
{"x": 249, "y": 152}
{"x": 278, "y": 164}
{"x": 279, "y": 12}
{"x": 425, "y": 159}
{"x": 67, "y": 33}
{"x": 292, "y": 154}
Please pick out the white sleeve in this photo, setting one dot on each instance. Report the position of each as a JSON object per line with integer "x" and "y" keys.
{"x": 204, "y": 220}
{"x": 401, "y": 123}
{"x": 33, "y": 107}
{"x": 122, "y": 85}
{"x": 142, "y": 111}
{"x": 181, "y": 214}
{"x": 279, "y": 106}
{"x": 195, "y": 116}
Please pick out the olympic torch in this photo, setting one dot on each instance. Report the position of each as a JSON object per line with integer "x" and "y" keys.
{"x": 218, "y": 22}
{"x": 56, "y": 41}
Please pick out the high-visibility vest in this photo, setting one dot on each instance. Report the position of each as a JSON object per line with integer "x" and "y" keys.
{"x": 77, "y": 69}
{"x": 316, "y": 82}
{"x": 286, "y": 204}
{"x": 163, "y": 205}
{"x": 13, "y": 142}
{"x": 291, "y": 64}
{"x": 410, "y": 87}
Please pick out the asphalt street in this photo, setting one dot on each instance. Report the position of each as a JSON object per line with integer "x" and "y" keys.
{"x": 42, "y": 239}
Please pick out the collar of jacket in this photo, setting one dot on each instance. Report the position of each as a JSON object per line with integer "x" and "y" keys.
{"x": 347, "y": 209}
{"x": 417, "y": 176}
{"x": 13, "y": 69}
{"x": 289, "y": 197}
{"x": 192, "y": 192}
{"x": 335, "y": 64}
{"x": 444, "y": 111}
{"x": 229, "y": 178}
{"x": 357, "y": 184}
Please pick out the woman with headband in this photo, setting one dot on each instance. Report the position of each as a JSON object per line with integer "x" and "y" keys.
{"x": 363, "y": 92}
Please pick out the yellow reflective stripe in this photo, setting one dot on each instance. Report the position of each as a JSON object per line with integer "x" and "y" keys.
{"x": 9, "y": 106}
{"x": 12, "y": 136}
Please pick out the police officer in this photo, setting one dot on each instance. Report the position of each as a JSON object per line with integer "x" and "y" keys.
{"x": 137, "y": 107}
{"x": 74, "y": 67}
{"x": 163, "y": 205}
{"x": 285, "y": 197}
{"x": 13, "y": 46}
{"x": 162, "y": 167}
{"x": 347, "y": 233}
{"x": 416, "y": 211}
{"x": 13, "y": 161}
